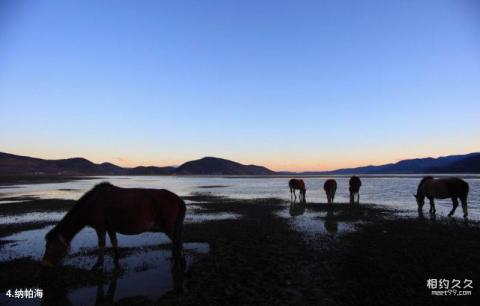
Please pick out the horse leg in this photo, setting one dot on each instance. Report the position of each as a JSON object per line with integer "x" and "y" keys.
{"x": 358, "y": 198}
{"x": 432, "y": 206}
{"x": 455, "y": 205}
{"x": 101, "y": 249}
{"x": 351, "y": 198}
{"x": 464, "y": 206}
{"x": 114, "y": 241}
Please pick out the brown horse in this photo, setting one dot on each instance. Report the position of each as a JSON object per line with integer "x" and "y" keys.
{"x": 110, "y": 209}
{"x": 330, "y": 188}
{"x": 442, "y": 188}
{"x": 295, "y": 184}
{"x": 354, "y": 188}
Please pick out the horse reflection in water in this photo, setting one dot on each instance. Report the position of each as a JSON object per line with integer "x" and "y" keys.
{"x": 297, "y": 209}
{"x": 110, "y": 209}
{"x": 58, "y": 295}
{"x": 331, "y": 223}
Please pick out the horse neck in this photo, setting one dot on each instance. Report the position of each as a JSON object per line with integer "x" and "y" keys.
{"x": 421, "y": 192}
{"x": 70, "y": 227}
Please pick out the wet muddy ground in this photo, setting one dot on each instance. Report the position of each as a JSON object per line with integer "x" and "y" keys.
{"x": 257, "y": 251}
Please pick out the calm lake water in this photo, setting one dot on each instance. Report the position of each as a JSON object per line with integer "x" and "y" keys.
{"x": 394, "y": 191}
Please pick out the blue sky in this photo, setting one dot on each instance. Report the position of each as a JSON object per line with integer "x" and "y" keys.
{"x": 293, "y": 85}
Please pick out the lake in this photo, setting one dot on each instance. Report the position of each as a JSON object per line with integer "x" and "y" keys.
{"x": 393, "y": 191}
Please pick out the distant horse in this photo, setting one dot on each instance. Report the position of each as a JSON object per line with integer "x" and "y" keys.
{"x": 354, "y": 188}
{"x": 442, "y": 188}
{"x": 110, "y": 209}
{"x": 295, "y": 184}
{"x": 330, "y": 188}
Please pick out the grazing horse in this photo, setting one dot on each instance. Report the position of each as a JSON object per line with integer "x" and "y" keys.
{"x": 330, "y": 188}
{"x": 354, "y": 188}
{"x": 110, "y": 209}
{"x": 295, "y": 184}
{"x": 442, "y": 188}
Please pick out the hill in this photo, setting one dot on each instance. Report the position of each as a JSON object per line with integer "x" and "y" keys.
{"x": 446, "y": 164}
{"x": 214, "y": 165}
{"x": 11, "y": 164}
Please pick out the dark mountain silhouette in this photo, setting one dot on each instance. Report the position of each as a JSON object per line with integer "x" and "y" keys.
{"x": 11, "y": 164}
{"x": 151, "y": 170}
{"x": 470, "y": 164}
{"x": 213, "y": 165}
{"x": 447, "y": 164}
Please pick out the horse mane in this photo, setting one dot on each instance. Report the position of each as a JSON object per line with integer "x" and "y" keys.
{"x": 424, "y": 179}
{"x": 74, "y": 210}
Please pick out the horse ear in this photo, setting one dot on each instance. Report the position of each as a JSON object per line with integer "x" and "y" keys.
{"x": 414, "y": 195}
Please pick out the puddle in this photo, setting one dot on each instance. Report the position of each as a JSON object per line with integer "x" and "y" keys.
{"x": 32, "y": 243}
{"x": 312, "y": 223}
{"x": 147, "y": 270}
{"x": 146, "y": 275}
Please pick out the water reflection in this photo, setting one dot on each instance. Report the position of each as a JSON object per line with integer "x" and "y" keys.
{"x": 330, "y": 223}
{"x": 297, "y": 208}
{"x": 165, "y": 279}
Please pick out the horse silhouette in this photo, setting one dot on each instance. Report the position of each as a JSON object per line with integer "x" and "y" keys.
{"x": 330, "y": 188}
{"x": 442, "y": 188}
{"x": 354, "y": 189}
{"x": 297, "y": 184}
{"x": 110, "y": 209}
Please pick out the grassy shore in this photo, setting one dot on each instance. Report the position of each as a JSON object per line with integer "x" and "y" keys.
{"x": 261, "y": 259}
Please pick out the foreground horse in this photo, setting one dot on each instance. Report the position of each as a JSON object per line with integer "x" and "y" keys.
{"x": 354, "y": 188}
{"x": 442, "y": 188}
{"x": 295, "y": 184}
{"x": 110, "y": 209}
{"x": 330, "y": 188}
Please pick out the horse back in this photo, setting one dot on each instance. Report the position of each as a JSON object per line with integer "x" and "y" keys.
{"x": 136, "y": 210}
{"x": 330, "y": 186}
{"x": 446, "y": 187}
{"x": 296, "y": 184}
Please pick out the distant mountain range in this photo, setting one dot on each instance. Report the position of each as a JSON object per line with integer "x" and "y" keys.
{"x": 468, "y": 163}
{"x": 11, "y": 164}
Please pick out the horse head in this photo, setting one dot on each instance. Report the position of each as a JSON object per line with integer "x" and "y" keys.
{"x": 420, "y": 200}
{"x": 56, "y": 249}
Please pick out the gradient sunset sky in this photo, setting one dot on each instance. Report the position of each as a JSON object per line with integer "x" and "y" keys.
{"x": 291, "y": 85}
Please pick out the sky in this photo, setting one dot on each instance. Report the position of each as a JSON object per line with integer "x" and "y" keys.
{"x": 291, "y": 85}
